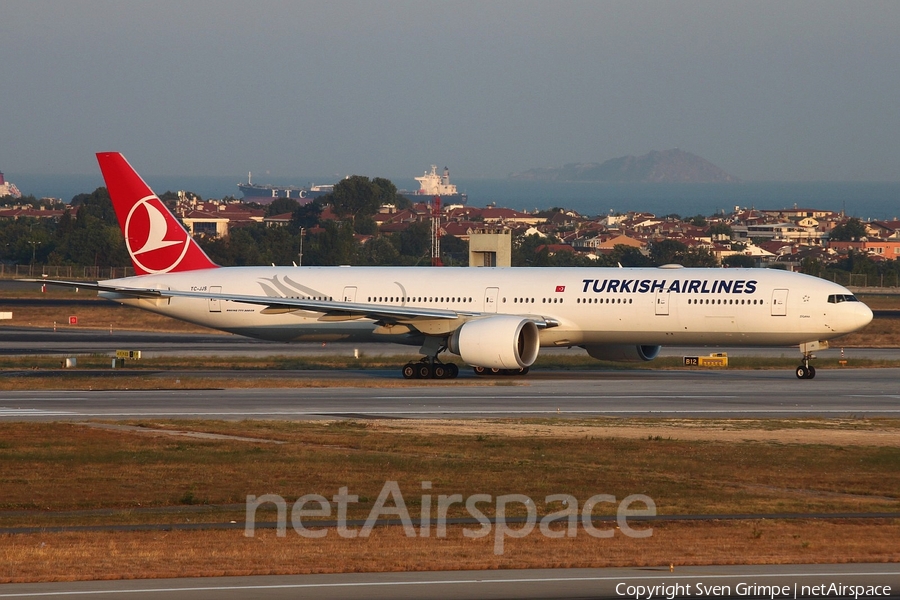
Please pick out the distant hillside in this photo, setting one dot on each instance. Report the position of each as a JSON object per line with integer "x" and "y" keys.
{"x": 668, "y": 166}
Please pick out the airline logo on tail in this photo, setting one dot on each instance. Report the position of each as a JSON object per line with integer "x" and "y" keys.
{"x": 156, "y": 241}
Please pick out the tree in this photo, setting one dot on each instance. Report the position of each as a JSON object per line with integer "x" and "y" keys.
{"x": 721, "y": 229}
{"x": 674, "y": 252}
{"x": 22, "y": 240}
{"x": 365, "y": 225}
{"x": 739, "y": 261}
{"x": 699, "y": 257}
{"x": 666, "y": 252}
{"x": 253, "y": 244}
{"x": 857, "y": 263}
{"x": 811, "y": 266}
{"x": 415, "y": 241}
{"x": 65, "y": 226}
{"x": 307, "y": 216}
{"x": 357, "y": 196}
{"x": 850, "y": 231}
{"x": 525, "y": 247}
{"x": 236, "y": 250}
{"x": 697, "y": 221}
{"x": 386, "y": 192}
{"x": 379, "y": 251}
{"x": 279, "y": 206}
{"x": 628, "y": 256}
{"x": 454, "y": 251}
{"x": 96, "y": 204}
{"x": 92, "y": 242}
{"x": 335, "y": 245}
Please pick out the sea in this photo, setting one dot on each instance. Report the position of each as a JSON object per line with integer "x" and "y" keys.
{"x": 867, "y": 201}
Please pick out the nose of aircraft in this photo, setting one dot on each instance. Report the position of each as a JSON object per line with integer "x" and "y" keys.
{"x": 859, "y": 315}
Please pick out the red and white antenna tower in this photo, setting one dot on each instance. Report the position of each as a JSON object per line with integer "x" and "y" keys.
{"x": 436, "y": 232}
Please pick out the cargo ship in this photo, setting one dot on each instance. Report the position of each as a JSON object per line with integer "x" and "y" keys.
{"x": 431, "y": 185}
{"x": 8, "y": 188}
{"x": 266, "y": 193}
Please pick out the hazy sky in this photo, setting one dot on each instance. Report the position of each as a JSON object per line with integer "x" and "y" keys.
{"x": 783, "y": 90}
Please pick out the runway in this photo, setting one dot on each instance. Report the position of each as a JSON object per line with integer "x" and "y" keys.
{"x": 706, "y": 582}
{"x": 715, "y": 394}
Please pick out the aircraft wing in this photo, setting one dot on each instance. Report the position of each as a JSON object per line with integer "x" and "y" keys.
{"x": 332, "y": 310}
{"x": 90, "y": 285}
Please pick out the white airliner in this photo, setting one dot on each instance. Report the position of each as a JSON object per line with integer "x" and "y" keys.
{"x": 495, "y": 319}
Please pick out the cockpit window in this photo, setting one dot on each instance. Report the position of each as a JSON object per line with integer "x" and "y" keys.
{"x": 837, "y": 298}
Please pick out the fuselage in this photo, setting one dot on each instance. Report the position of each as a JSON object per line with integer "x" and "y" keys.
{"x": 589, "y": 306}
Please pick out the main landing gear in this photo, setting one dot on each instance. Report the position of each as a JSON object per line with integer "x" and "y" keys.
{"x": 429, "y": 367}
{"x": 484, "y": 371}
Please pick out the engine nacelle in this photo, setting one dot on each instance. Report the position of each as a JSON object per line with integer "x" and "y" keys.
{"x": 623, "y": 352}
{"x": 501, "y": 342}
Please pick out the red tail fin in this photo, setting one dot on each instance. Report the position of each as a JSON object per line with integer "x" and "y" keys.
{"x": 156, "y": 241}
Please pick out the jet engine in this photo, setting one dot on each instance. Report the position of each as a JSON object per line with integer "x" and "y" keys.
{"x": 623, "y": 352}
{"x": 501, "y": 342}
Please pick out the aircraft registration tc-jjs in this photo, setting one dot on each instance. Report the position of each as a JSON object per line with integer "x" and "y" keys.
{"x": 495, "y": 319}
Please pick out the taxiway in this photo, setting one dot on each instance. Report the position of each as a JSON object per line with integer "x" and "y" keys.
{"x": 380, "y": 394}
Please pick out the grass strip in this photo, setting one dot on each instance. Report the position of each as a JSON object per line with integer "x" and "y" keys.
{"x": 61, "y": 474}
{"x": 168, "y": 554}
{"x": 65, "y": 467}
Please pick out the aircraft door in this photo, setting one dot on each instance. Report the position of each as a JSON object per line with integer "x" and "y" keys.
{"x": 215, "y": 303}
{"x": 350, "y": 294}
{"x": 779, "y": 303}
{"x": 490, "y": 299}
{"x": 662, "y": 303}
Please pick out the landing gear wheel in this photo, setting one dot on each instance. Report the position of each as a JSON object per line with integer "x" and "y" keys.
{"x": 806, "y": 372}
{"x": 494, "y": 372}
{"x": 409, "y": 371}
{"x": 430, "y": 367}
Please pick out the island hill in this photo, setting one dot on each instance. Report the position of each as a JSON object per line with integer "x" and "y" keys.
{"x": 668, "y": 166}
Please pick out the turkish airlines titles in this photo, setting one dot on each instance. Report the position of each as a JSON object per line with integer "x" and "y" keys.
{"x": 690, "y": 286}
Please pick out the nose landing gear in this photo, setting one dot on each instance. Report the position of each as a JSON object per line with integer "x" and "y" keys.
{"x": 807, "y": 371}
